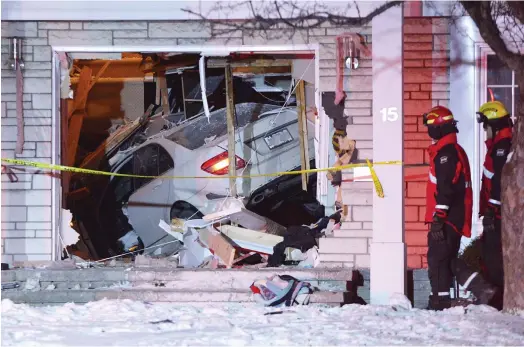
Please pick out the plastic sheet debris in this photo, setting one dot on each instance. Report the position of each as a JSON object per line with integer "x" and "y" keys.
{"x": 194, "y": 251}
{"x": 281, "y": 290}
{"x": 294, "y": 254}
{"x": 312, "y": 258}
{"x": 167, "y": 228}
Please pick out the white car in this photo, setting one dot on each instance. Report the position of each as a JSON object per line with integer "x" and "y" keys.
{"x": 266, "y": 141}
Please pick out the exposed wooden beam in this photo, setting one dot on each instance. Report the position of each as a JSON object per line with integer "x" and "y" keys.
{"x": 64, "y": 134}
{"x": 119, "y": 68}
{"x": 77, "y": 114}
{"x": 99, "y": 62}
{"x": 230, "y": 104}
{"x": 302, "y": 132}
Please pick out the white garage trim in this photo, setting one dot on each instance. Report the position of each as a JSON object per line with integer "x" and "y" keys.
{"x": 321, "y": 126}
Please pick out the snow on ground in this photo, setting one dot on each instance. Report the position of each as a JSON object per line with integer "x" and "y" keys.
{"x": 133, "y": 323}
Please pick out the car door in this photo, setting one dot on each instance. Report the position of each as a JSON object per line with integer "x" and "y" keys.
{"x": 150, "y": 201}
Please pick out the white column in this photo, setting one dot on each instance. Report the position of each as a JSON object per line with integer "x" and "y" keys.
{"x": 464, "y": 101}
{"x": 388, "y": 251}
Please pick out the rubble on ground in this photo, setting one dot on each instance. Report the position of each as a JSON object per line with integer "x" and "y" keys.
{"x": 231, "y": 237}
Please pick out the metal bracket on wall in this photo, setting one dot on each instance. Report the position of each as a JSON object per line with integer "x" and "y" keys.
{"x": 17, "y": 63}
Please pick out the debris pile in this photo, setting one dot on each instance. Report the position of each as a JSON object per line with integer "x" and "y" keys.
{"x": 235, "y": 237}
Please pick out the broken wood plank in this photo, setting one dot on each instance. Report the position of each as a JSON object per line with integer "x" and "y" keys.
{"x": 76, "y": 115}
{"x": 222, "y": 248}
{"x": 230, "y": 104}
{"x": 251, "y": 240}
{"x": 302, "y": 132}
{"x": 158, "y": 94}
{"x": 85, "y": 85}
{"x": 82, "y": 89}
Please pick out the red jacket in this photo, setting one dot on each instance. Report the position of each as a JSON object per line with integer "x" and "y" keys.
{"x": 497, "y": 153}
{"x": 449, "y": 185}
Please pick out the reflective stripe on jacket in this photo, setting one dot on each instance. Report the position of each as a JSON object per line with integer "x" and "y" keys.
{"x": 455, "y": 196}
{"x": 497, "y": 153}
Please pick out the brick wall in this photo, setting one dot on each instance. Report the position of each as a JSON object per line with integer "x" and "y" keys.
{"x": 426, "y": 84}
{"x": 26, "y": 205}
{"x": 350, "y": 245}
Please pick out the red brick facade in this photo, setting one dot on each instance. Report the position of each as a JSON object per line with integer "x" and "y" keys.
{"x": 426, "y": 84}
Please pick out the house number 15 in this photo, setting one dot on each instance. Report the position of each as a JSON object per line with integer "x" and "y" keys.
{"x": 389, "y": 114}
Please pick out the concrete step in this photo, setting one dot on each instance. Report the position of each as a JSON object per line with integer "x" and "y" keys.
{"x": 174, "y": 279}
{"x": 148, "y": 295}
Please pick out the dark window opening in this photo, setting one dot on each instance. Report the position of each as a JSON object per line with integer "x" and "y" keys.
{"x": 185, "y": 94}
{"x": 501, "y": 84}
{"x": 498, "y": 73}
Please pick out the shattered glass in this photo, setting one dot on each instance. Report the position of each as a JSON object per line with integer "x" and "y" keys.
{"x": 194, "y": 134}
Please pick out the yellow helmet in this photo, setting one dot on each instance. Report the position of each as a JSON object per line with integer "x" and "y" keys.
{"x": 491, "y": 110}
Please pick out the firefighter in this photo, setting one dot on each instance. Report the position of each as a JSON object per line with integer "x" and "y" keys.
{"x": 498, "y": 126}
{"x": 449, "y": 202}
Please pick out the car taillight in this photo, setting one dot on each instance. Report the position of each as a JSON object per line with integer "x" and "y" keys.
{"x": 219, "y": 165}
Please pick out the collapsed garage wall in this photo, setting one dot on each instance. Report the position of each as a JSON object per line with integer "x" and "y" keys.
{"x": 26, "y": 204}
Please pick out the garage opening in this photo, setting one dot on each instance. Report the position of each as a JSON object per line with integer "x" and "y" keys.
{"x": 166, "y": 126}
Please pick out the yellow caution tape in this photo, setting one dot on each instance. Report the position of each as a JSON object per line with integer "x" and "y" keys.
{"x": 378, "y": 185}
{"x": 105, "y": 173}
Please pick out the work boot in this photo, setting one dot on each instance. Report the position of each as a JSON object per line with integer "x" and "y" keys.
{"x": 492, "y": 297}
{"x": 486, "y": 293}
{"x": 439, "y": 303}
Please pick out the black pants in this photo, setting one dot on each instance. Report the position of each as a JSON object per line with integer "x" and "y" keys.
{"x": 492, "y": 255}
{"x": 442, "y": 257}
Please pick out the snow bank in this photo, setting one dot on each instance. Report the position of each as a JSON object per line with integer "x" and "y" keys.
{"x": 132, "y": 323}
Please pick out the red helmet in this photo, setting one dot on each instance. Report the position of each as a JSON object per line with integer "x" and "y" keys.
{"x": 438, "y": 115}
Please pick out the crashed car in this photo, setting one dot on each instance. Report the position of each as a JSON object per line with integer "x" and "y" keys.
{"x": 266, "y": 141}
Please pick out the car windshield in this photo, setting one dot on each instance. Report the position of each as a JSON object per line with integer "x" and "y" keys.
{"x": 194, "y": 134}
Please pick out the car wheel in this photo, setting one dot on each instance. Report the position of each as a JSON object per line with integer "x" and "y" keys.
{"x": 184, "y": 210}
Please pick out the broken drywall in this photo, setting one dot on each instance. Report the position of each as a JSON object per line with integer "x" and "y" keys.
{"x": 335, "y": 112}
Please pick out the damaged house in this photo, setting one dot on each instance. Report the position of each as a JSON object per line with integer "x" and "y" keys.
{"x": 184, "y": 135}
{"x": 163, "y": 103}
